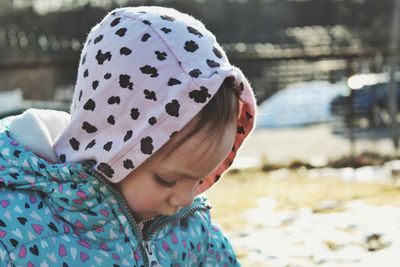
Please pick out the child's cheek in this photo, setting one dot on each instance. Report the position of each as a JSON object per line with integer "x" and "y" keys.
{"x": 147, "y": 203}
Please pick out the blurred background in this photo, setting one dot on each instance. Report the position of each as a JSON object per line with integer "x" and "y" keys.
{"x": 321, "y": 170}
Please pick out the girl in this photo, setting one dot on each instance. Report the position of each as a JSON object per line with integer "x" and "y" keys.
{"x": 157, "y": 116}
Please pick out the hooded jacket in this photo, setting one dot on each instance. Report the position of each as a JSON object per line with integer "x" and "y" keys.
{"x": 144, "y": 73}
{"x": 66, "y": 214}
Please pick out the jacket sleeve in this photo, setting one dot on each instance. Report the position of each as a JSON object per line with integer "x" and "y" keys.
{"x": 219, "y": 251}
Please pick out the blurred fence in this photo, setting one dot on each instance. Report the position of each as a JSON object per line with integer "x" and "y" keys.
{"x": 305, "y": 54}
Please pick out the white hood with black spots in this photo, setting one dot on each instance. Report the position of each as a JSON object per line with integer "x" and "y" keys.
{"x": 144, "y": 73}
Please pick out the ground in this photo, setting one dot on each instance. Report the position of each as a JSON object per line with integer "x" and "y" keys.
{"x": 292, "y": 218}
{"x": 260, "y": 205}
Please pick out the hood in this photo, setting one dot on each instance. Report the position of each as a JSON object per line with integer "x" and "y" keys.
{"x": 144, "y": 73}
{"x": 44, "y": 126}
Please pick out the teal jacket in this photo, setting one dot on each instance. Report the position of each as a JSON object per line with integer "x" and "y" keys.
{"x": 68, "y": 215}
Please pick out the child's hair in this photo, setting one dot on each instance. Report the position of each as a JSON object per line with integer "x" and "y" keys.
{"x": 218, "y": 113}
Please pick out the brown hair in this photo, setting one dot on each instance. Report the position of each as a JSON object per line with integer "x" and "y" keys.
{"x": 218, "y": 113}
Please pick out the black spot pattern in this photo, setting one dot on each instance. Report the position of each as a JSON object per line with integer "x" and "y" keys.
{"x": 195, "y": 73}
{"x": 161, "y": 55}
{"x": 152, "y": 121}
{"x": 128, "y": 164}
{"x": 149, "y": 70}
{"x": 74, "y": 143}
{"x": 212, "y": 63}
{"x": 125, "y": 51}
{"x": 150, "y": 95}
{"x": 135, "y": 113}
{"x": 217, "y": 53}
{"x": 88, "y": 127}
{"x": 106, "y": 169}
{"x": 194, "y": 31}
{"x": 166, "y": 30}
{"x": 91, "y": 144}
{"x": 101, "y": 57}
{"x": 80, "y": 95}
{"x": 83, "y": 59}
{"x": 86, "y": 73}
{"x": 173, "y": 81}
{"x": 98, "y": 39}
{"x": 107, "y": 76}
{"x": 191, "y": 46}
{"x": 125, "y": 81}
{"x": 95, "y": 84}
{"x": 200, "y": 96}
{"x": 89, "y": 105}
{"x": 121, "y": 32}
{"x": 114, "y": 100}
{"x": 146, "y": 145}
{"x": 172, "y": 108}
{"x": 128, "y": 135}
{"x": 146, "y": 22}
{"x": 63, "y": 158}
{"x": 115, "y": 22}
{"x": 145, "y": 37}
{"x": 111, "y": 120}
{"x": 108, "y": 146}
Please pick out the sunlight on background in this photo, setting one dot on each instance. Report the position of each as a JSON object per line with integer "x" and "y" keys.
{"x": 318, "y": 182}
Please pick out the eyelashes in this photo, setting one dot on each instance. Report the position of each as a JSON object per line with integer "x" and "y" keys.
{"x": 161, "y": 181}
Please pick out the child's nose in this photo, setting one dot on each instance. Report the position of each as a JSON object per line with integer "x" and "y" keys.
{"x": 183, "y": 198}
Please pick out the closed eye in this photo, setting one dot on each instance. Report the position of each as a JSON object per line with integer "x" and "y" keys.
{"x": 161, "y": 181}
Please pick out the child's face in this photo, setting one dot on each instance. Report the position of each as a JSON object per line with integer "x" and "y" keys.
{"x": 168, "y": 180}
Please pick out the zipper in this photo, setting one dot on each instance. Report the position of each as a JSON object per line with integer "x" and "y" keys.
{"x": 141, "y": 224}
{"x": 149, "y": 248}
{"x": 155, "y": 227}
{"x": 145, "y": 245}
{"x": 125, "y": 209}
